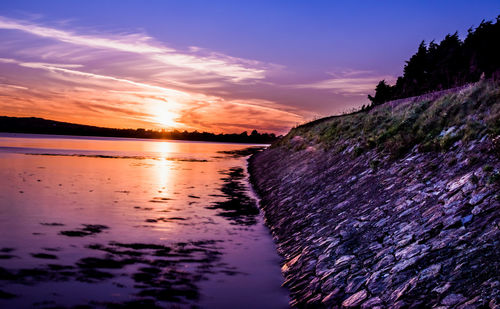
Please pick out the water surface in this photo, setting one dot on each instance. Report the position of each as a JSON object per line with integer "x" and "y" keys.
{"x": 110, "y": 221}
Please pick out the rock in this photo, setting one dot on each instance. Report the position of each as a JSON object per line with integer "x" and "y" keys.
{"x": 327, "y": 273}
{"x": 335, "y": 281}
{"x": 471, "y": 304}
{"x": 377, "y": 283}
{"x": 312, "y": 299}
{"x": 430, "y": 272}
{"x": 375, "y": 246}
{"x": 404, "y": 265}
{"x": 453, "y": 299}
{"x": 405, "y": 241}
{"x": 410, "y": 251}
{"x": 401, "y": 304}
{"x": 466, "y": 219}
{"x": 332, "y": 296}
{"x": 493, "y": 304}
{"x": 443, "y": 288}
{"x": 452, "y": 222}
{"x": 290, "y": 263}
{"x": 355, "y": 299}
{"x": 405, "y": 287}
{"x": 477, "y": 210}
{"x": 477, "y": 198}
{"x": 458, "y": 182}
{"x": 384, "y": 262}
{"x": 371, "y": 303}
{"x": 354, "y": 284}
{"x": 343, "y": 260}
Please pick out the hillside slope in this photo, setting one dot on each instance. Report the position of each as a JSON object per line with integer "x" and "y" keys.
{"x": 396, "y": 207}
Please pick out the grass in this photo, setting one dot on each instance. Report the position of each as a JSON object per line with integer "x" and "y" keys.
{"x": 487, "y": 168}
{"x": 494, "y": 178}
{"x": 432, "y": 125}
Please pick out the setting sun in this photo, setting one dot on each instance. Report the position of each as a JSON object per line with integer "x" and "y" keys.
{"x": 166, "y": 118}
{"x": 163, "y": 113}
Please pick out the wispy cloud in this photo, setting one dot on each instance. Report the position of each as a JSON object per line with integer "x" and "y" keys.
{"x": 13, "y": 86}
{"x": 118, "y": 43}
{"x": 224, "y": 66}
{"x": 348, "y": 82}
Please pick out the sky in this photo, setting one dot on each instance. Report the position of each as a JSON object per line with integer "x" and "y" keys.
{"x": 217, "y": 66}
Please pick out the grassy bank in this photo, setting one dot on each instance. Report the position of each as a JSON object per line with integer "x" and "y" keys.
{"x": 433, "y": 125}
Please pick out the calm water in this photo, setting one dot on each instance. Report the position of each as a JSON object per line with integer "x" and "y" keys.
{"x": 103, "y": 221}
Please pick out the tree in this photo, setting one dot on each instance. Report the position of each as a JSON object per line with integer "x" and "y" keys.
{"x": 383, "y": 93}
{"x": 450, "y": 63}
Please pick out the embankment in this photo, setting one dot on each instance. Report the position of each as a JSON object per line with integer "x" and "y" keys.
{"x": 396, "y": 207}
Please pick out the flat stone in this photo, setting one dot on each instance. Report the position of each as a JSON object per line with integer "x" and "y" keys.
{"x": 332, "y": 296}
{"x": 286, "y": 267}
{"x": 471, "y": 304}
{"x": 477, "y": 198}
{"x": 404, "y": 265}
{"x": 457, "y": 183}
{"x": 406, "y": 287}
{"x": 477, "y": 210}
{"x": 430, "y": 272}
{"x": 343, "y": 260}
{"x": 335, "y": 281}
{"x": 384, "y": 262}
{"x": 453, "y": 299}
{"x": 466, "y": 219}
{"x": 377, "y": 282}
{"x": 410, "y": 251}
{"x": 405, "y": 240}
{"x": 443, "y": 288}
{"x": 451, "y": 221}
{"x": 354, "y": 284}
{"x": 371, "y": 303}
{"x": 355, "y": 299}
{"x": 328, "y": 273}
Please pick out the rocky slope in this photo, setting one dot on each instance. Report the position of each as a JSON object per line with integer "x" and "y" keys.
{"x": 397, "y": 207}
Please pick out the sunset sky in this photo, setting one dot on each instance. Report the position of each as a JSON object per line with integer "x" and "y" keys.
{"x": 219, "y": 66}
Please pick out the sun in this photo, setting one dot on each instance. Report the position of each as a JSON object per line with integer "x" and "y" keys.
{"x": 164, "y": 113}
{"x": 166, "y": 118}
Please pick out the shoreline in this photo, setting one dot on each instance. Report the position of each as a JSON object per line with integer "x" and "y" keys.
{"x": 102, "y": 137}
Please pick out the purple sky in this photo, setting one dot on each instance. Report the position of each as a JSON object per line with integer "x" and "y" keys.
{"x": 222, "y": 66}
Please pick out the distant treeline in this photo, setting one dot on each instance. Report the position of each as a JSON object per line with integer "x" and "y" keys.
{"x": 43, "y": 126}
{"x": 450, "y": 63}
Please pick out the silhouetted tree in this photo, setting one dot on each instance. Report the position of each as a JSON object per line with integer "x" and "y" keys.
{"x": 383, "y": 92}
{"x": 450, "y": 63}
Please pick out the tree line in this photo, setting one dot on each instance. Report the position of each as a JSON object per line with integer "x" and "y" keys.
{"x": 44, "y": 126}
{"x": 451, "y": 63}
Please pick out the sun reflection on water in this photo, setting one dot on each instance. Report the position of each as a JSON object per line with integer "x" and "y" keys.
{"x": 165, "y": 149}
{"x": 163, "y": 169}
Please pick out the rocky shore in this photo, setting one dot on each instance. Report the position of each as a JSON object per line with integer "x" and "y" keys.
{"x": 369, "y": 228}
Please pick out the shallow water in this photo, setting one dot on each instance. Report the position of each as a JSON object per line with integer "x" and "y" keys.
{"x": 110, "y": 221}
